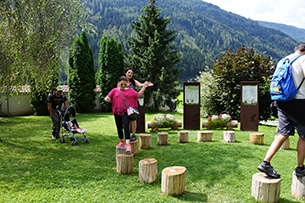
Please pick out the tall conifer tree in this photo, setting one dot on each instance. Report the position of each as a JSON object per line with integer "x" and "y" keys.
{"x": 81, "y": 79}
{"x": 153, "y": 56}
{"x": 110, "y": 67}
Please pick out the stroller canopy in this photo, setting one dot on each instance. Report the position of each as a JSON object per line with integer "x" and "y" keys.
{"x": 70, "y": 111}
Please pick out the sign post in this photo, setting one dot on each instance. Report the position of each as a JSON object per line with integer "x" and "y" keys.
{"x": 191, "y": 105}
{"x": 141, "y": 116}
{"x": 249, "y": 108}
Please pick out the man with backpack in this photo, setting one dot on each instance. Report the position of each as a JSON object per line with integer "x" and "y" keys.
{"x": 56, "y": 101}
{"x": 291, "y": 116}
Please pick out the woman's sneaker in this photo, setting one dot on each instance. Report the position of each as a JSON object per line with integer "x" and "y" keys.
{"x": 299, "y": 171}
{"x": 128, "y": 148}
{"x": 268, "y": 170}
{"x": 120, "y": 145}
{"x": 133, "y": 138}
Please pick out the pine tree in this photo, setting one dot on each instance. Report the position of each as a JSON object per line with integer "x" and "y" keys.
{"x": 154, "y": 58}
{"x": 81, "y": 75}
{"x": 110, "y": 67}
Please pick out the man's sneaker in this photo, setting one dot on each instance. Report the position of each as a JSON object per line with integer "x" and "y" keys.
{"x": 268, "y": 170}
{"x": 299, "y": 171}
{"x": 133, "y": 138}
{"x": 120, "y": 145}
{"x": 128, "y": 148}
{"x": 53, "y": 137}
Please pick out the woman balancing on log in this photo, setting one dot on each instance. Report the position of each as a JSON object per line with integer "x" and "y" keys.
{"x": 121, "y": 97}
{"x": 133, "y": 83}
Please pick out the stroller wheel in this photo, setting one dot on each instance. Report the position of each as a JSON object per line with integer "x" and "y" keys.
{"x": 74, "y": 143}
{"x": 86, "y": 140}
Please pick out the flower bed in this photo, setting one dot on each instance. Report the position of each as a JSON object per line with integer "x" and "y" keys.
{"x": 164, "y": 121}
{"x": 220, "y": 121}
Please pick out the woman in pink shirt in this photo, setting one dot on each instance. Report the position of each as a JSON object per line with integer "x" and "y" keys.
{"x": 119, "y": 109}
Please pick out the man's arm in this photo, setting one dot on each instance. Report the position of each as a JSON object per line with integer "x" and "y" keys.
{"x": 50, "y": 108}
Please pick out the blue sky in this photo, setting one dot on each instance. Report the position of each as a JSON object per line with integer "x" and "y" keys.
{"x": 291, "y": 12}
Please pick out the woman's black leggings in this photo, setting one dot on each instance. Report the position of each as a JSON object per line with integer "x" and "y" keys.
{"x": 122, "y": 122}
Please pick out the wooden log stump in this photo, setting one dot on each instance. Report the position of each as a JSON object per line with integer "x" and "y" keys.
{"x": 173, "y": 180}
{"x": 145, "y": 141}
{"x": 204, "y": 136}
{"x": 229, "y": 136}
{"x": 265, "y": 189}
{"x": 148, "y": 170}
{"x": 183, "y": 136}
{"x": 285, "y": 145}
{"x": 162, "y": 138}
{"x": 119, "y": 151}
{"x": 257, "y": 138}
{"x": 124, "y": 164}
{"x": 134, "y": 147}
{"x": 298, "y": 186}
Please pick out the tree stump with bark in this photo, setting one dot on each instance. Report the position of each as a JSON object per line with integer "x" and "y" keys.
{"x": 162, "y": 138}
{"x": 265, "y": 189}
{"x": 204, "y": 136}
{"x": 145, "y": 141}
{"x": 229, "y": 136}
{"x": 257, "y": 138}
{"x": 148, "y": 170}
{"x": 134, "y": 147}
{"x": 173, "y": 180}
{"x": 119, "y": 151}
{"x": 298, "y": 186}
{"x": 124, "y": 164}
{"x": 183, "y": 136}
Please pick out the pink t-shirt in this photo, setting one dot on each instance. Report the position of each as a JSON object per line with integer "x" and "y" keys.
{"x": 118, "y": 106}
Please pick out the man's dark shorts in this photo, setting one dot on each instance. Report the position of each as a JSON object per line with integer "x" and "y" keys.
{"x": 291, "y": 116}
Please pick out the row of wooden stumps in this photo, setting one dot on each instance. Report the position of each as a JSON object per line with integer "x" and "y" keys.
{"x": 173, "y": 177}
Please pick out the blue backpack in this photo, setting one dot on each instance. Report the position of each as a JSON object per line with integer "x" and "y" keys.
{"x": 282, "y": 86}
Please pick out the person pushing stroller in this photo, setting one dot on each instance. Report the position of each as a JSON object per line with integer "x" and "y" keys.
{"x": 56, "y": 101}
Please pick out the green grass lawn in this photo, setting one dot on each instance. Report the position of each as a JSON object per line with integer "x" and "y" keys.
{"x": 33, "y": 168}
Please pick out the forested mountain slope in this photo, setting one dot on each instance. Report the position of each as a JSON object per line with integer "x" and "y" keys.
{"x": 295, "y": 33}
{"x": 203, "y": 30}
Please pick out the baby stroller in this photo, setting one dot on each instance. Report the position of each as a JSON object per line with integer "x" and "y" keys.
{"x": 70, "y": 125}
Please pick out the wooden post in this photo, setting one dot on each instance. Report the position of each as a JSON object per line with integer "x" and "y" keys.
{"x": 285, "y": 145}
{"x": 173, "y": 180}
{"x": 298, "y": 186}
{"x": 229, "y": 136}
{"x": 183, "y": 136}
{"x": 204, "y": 136}
{"x": 145, "y": 141}
{"x": 134, "y": 147}
{"x": 257, "y": 138}
{"x": 148, "y": 170}
{"x": 124, "y": 164}
{"x": 265, "y": 189}
{"x": 162, "y": 138}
